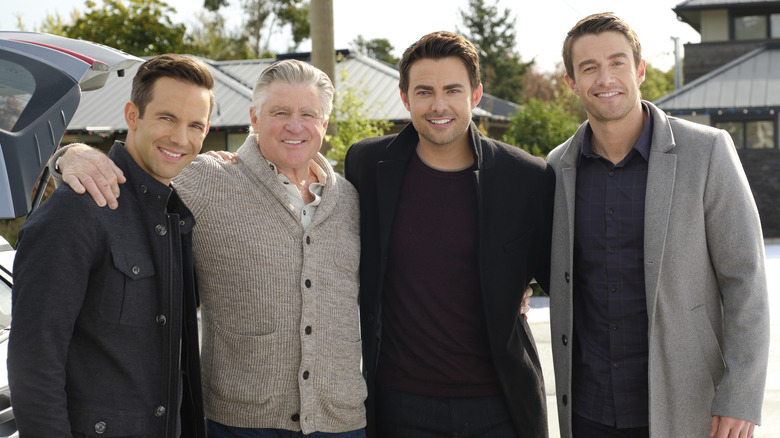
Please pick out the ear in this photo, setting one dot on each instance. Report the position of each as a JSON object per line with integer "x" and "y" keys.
{"x": 572, "y": 85}
{"x": 640, "y": 72}
{"x": 476, "y": 96}
{"x": 253, "y": 118}
{"x": 405, "y": 100}
{"x": 131, "y": 116}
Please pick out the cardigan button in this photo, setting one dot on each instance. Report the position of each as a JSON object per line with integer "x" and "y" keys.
{"x": 565, "y": 400}
{"x": 565, "y": 340}
{"x": 566, "y": 276}
{"x": 307, "y": 283}
{"x": 308, "y": 240}
{"x": 308, "y": 330}
{"x": 305, "y": 375}
{"x": 295, "y": 417}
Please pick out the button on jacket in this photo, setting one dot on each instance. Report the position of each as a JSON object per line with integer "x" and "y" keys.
{"x": 104, "y": 339}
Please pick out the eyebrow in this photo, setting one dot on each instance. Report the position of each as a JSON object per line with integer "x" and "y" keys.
{"x": 610, "y": 57}
{"x": 446, "y": 87}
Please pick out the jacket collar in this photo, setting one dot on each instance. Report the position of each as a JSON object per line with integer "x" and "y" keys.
{"x": 405, "y": 143}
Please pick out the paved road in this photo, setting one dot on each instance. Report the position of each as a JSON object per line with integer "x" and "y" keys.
{"x": 539, "y": 320}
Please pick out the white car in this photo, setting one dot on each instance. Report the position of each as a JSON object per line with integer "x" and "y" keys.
{"x": 41, "y": 80}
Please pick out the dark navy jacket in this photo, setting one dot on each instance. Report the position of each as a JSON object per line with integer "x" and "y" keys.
{"x": 104, "y": 338}
{"x": 514, "y": 202}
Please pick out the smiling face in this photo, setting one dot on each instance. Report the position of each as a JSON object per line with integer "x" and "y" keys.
{"x": 440, "y": 100}
{"x": 606, "y": 78}
{"x": 290, "y": 126}
{"x": 171, "y": 132}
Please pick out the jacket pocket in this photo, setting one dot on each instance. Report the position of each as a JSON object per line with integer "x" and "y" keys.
{"x": 110, "y": 423}
{"x": 709, "y": 344}
{"x": 130, "y": 296}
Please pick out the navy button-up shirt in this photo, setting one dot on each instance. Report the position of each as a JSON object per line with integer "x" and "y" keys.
{"x": 609, "y": 381}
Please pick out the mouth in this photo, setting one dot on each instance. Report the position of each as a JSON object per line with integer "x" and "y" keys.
{"x": 171, "y": 154}
{"x": 292, "y": 142}
{"x": 440, "y": 121}
{"x": 607, "y": 94}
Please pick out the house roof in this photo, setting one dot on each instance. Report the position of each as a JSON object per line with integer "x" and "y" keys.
{"x": 748, "y": 83}
{"x": 102, "y": 110}
{"x": 689, "y": 11}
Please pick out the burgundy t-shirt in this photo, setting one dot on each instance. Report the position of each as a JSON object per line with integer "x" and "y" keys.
{"x": 434, "y": 334}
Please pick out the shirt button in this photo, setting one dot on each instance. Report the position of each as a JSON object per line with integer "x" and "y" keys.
{"x": 160, "y": 230}
{"x": 295, "y": 417}
{"x": 100, "y": 427}
{"x": 611, "y": 173}
{"x": 135, "y": 270}
{"x": 612, "y": 288}
{"x": 614, "y": 327}
{"x": 144, "y": 188}
{"x": 609, "y": 212}
{"x": 615, "y": 365}
{"x": 611, "y": 250}
{"x": 161, "y": 319}
{"x": 307, "y": 283}
{"x": 160, "y": 411}
{"x": 308, "y": 330}
{"x": 305, "y": 375}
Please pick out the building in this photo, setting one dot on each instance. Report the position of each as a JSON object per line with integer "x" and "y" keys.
{"x": 732, "y": 82}
{"x": 100, "y": 119}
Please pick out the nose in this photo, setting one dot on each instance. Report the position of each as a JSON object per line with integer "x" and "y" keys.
{"x": 294, "y": 123}
{"x": 605, "y": 76}
{"x": 179, "y": 134}
{"x": 439, "y": 103}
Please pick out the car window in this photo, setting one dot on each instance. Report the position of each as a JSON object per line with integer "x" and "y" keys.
{"x": 17, "y": 85}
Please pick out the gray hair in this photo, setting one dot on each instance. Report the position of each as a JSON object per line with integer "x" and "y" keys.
{"x": 294, "y": 72}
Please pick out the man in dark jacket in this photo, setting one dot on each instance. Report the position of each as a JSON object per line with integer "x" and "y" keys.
{"x": 104, "y": 337}
{"x": 454, "y": 226}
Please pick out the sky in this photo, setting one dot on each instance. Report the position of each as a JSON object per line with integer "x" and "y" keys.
{"x": 541, "y": 25}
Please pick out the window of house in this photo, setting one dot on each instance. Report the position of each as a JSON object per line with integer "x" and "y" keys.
{"x": 750, "y": 27}
{"x": 774, "y": 26}
{"x": 750, "y": 134}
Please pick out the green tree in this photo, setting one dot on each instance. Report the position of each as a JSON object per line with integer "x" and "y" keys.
{"x": 493, "y": 33}
{"x": 353, "y": 124}
{"x": 539, "y": 126}
{"x": 262, "y": 17}
{"x": 377, "y": 48}
{"x": 138, "y": 27}
{"x": 657, "y": 83}
{"x": 210, "y": 39}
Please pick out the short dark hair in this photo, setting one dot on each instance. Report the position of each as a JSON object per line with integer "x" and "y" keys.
{"x": 182, "y": 68}
{"x": 438, "y": 45}
{"x": 597, "y": 24}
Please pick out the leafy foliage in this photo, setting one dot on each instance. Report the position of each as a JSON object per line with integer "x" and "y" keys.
{"x": 353, "y": 123}
{"x": 210, "y": 39}
{"x": 493, "y": 33}
{"x": 139, "y": 27}
{"x": 538, "y": 127}
{"x": 657, "y": 83}
{"x": 377, "y": 48}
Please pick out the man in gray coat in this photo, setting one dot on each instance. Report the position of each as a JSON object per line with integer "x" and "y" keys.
{"x": 660, "y": 323}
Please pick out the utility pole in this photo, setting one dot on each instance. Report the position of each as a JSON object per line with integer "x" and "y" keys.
{"x": 323, "y": 51}
{"x": 677, "y": 64}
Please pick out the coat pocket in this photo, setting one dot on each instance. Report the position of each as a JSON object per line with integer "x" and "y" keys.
{"x": 710, "y": 347}
{"x": 130, "y": 297}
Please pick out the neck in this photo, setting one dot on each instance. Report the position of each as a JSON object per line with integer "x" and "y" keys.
{"x": 613, "y": 139}
{"x": 454, "y": 156}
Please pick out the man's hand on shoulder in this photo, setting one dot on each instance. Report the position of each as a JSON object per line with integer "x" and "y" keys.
{"x": 727, "y": 427}
{"x": 86, "y": 169}
{"x": 230, "y": 157}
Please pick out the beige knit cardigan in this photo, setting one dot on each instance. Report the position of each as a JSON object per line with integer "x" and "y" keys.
{"x": 281, "y": 338}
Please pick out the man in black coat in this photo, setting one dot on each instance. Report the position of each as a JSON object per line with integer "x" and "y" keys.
{"x": 454, "y": 226}
{"x": 104, "y": 338}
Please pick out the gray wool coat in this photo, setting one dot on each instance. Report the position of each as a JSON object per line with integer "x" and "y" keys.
{"x": 704, "y": 277}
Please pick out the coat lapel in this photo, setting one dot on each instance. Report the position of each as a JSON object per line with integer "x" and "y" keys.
{"x": 658, "y": 202}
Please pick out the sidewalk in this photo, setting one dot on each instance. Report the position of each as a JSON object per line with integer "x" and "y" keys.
{"x": 539, "y": 320}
